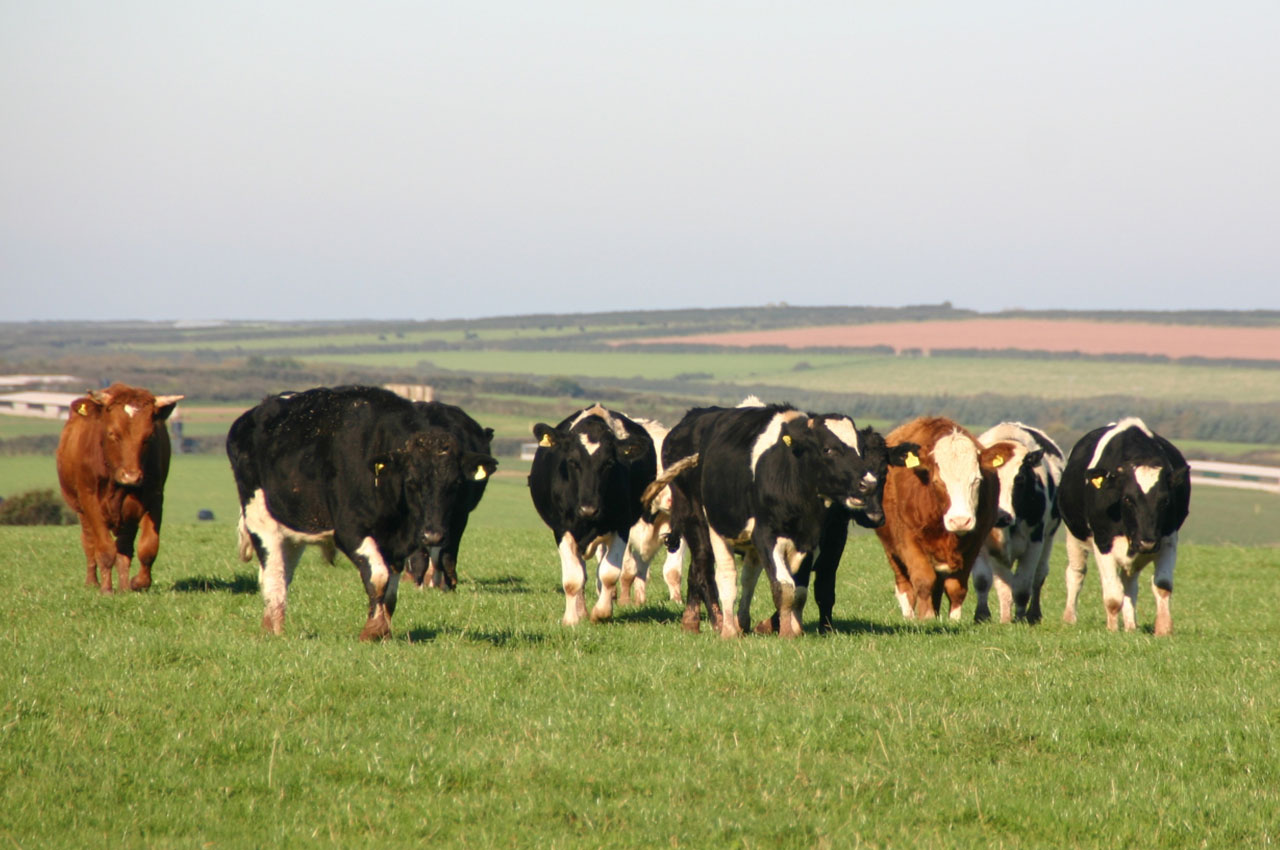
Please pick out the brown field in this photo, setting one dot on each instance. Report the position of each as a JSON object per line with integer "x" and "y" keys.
{"x": 1024, "y": 334}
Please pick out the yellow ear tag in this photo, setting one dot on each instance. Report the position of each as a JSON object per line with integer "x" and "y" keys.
{"x": 912, "y": 461}
{"x": 545, "y": 442}
{"x": 481, "y": 474}
{"x": 997, "y": 462}
{"x": 83, "y": 409}
{"x": 1097, "y": 482}
{"x": 786, "y": 438}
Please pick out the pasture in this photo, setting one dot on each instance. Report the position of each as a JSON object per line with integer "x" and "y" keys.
{"x": 166, "y": 719}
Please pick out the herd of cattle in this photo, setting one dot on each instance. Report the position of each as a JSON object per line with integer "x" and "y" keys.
{"x": 391, "y": 483}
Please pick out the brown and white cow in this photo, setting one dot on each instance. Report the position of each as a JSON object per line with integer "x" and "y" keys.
{"x": 939, "y": 508}
{"x": 113, "y": 459}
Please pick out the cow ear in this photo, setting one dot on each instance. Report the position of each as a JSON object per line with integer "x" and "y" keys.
{"x": 382, "y": 465}
{"x": 488, "y": 434}
{"x": 905, "y": 454}
{"x": 164, "y": 405}
{"x": 1033, "y": 458}
{"x": 632, "y": 447}
{"x": 1097, "y": 477}
{"x": 85, "y": 407}
{"x": 546, "y": 435}
{"x": 478, "y": 466}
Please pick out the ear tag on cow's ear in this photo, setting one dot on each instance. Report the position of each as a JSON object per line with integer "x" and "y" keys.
{"x": 1097, "y": 482}
{"x": 377, "y": 469}
{"x": 481, "y": 473}
{"x": 83, "y": 409}
{"x": 545, "y": 442}
{"x": 786, "y": 438}
{"x": 997, "y": 462}
{"x": 912, "y": 461}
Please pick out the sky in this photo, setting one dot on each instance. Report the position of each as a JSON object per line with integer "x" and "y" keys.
{"x": 431, "y": 160}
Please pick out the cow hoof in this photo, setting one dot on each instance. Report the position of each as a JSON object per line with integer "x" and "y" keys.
{"x": 599, "y": 616}
{"x": 764, "y": 627}
{"x": 143, "y": 584}
{"x": 982, "y": 616}
{"x": 1164, "y": 629}
{"x": 1069, "y": 618}
{"x": 690, "y": 621}
{"x": 376, "y": 629}
{"x": 273, "y": 625}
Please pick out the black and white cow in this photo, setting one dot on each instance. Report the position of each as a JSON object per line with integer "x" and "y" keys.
{"x": 586, "y": 480}
{"x": 651, "y": 534}
{"x": 353, "y": 464}
{"x": 1016, "y": 554}
{"x": 873, "y": 457}
{"x": 758, "y": 477}
{"x": 1125, "y": 493}
{"x": 438, "y": 565}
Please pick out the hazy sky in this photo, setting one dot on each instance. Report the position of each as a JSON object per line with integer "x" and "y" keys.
{"x": 425, "y": 159}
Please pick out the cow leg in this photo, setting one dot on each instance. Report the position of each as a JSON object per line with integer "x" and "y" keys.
{"x": 1162, "y": 584}
{"x": 608, "y": 571}
{"x": 573, "y": 578}
{"x": 726, "y": 581}
{"x": 416, "y": 566}
{"x": 148, "y": 548}
{"x": 903, "y": 589}
{"x": 957, "y": 588}
{"x": 982, "y": 578}
{"x": 700, "y": 584}
{"x": 89, "y": 546}
{"x": 124, "y": 546}
{"x": 642, "y": 544}
{"x": 672, "y": 567}
{"x": 784, "y": 561}
{"x": 751, "y": 567}
{"x": 274, "y": 555}
{"x": 1005, "y": 593}
{"x": 377, "y": 579}
{"x": 1034, "y": 614}
{"x": 1024, "y": 583}
{"x": 1077, "y": 566}
{"x": 1129, "y": 607}
{"x": 1112, "y": 587}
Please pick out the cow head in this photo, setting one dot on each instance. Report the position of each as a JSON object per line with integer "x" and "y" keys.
{"x": 128, "y": 418}
{"x": 954, "y": 468}
{"x": 589, "y": 462}
{"x": 1022, "y": 493}
{"x": 854, "y": 465}
{"x": 422, "y": 479}
{"x": 1139, "y": 494}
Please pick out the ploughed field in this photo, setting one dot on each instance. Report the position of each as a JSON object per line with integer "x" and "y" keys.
{"x": 167, "y": 719}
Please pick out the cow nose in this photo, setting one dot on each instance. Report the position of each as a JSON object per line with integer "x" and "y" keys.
{"x": 128, "y": 477}
{"x": 876, "y": 518}
{"x": 1148, "y": 546}
{"x": 431, "y": 538}
{"x": 1004, "y": 519}
{"x": 587, "y": 510}
{"x": 959, "y": 524}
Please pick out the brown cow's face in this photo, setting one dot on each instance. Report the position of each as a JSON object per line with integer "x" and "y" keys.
{"x": 129, "y": 422}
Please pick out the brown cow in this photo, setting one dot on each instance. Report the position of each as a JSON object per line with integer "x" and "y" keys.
{"x": 113, "y": 459}
{"x": 939, "y": 508}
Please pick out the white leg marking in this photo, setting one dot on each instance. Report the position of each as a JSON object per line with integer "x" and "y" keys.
{"x": 751, "y": 567}
{"x": 786, "y": 560}
{"x": 673, "y": 569}
{"x": 608, "y": 572}
{"x": 904, "y": 602}
{"x": 573, "y": 575}
{"x": 1077, "y": 565}
{"x": 726, "y": 582}
{"x": 1163, "y": 574}
{"x": 1108, "y": 574}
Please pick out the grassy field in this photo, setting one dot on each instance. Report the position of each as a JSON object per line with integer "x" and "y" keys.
{"x": 166, "y": 720}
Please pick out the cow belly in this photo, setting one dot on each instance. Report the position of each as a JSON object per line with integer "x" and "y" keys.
{"x": 260, "y": 521}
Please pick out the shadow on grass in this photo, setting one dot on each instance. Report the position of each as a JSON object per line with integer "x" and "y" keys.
{"x": 648, "y": 613}
{"x": 502, "y": 584}
{"x": 244, "y": 583}
{"x": 855, "y": 626}
{"x": 501, "y": 638}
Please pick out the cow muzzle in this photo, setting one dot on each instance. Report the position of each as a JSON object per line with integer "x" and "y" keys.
{"x": 128, "y": 477}
{"x": 959, "y": 523}
{"x": 587, "y": 510}
{"x": 1146, "y": 547}
{"x": 431, "y": 538}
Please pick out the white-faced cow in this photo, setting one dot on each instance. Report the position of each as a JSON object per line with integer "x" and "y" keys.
{"x": 113, "y": 459}
{"x": 437, "y": 566}
{"x": 354, "y": 464}
{"x": 1125, "y": 493}
{"x": 585, "y": 481}
{"x": 1016, "y": 555}
{"x": 939, "y": 508}
{"x": 758, "y": 478}
{"x": 650, "y": 534}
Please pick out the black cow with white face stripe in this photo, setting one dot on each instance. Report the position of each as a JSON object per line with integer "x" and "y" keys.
{"x": 586, "y": 480}
{"x": 355, "y": 466}
{"x": 760, "y": 479}
{"x": 1015, "y": 557}
{"x": 1125, "y": 493}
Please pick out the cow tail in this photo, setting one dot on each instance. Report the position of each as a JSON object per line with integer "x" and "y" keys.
{"x": 668, "y": 475}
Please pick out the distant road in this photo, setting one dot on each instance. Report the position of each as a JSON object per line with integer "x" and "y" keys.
{"x": 1025, "y": 334}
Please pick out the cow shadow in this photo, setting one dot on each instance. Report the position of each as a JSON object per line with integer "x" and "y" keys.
{"x": 858, "y": 626}
{"x": 647, "y": 613}
{"x": 241, "y": 583}
{"x": 502, "y": 584}
{"x": 500, "y": 638}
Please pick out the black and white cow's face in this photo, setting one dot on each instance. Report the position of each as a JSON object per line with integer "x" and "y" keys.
{"x": 422, "y": 479}
{"x": 1022, "y": 494}
{"x": 856, "y": 463}
{"x": 1030, "y": 489}
{"x": 587, "y": 462}
{"x": 1138, "y": 496}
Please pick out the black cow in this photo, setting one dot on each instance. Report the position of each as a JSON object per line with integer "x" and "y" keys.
{"x": 763, "y": 475}
{"x": 438, "y": 565}
{"x": 354, "y": 464}
{"x": 1125, "y": 493}
{"x": 586, "y": 480}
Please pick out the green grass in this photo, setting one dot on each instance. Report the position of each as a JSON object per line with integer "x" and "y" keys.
{"x": 166, "y": 720}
